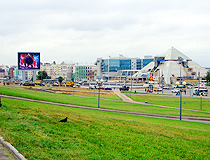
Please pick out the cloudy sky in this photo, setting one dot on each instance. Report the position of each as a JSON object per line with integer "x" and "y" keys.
{"x": 82, "y": 30}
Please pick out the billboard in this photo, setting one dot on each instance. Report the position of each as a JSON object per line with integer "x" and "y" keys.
{"x": 28, "y": 60}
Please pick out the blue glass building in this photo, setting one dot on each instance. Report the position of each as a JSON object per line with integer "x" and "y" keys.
{"x": 109, "y": 68}
{"x": 114, "y": 65}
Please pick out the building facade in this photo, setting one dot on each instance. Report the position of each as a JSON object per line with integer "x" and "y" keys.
{"x": 17, "y": 74}
{"x": 67, "y": 71}
{"x": 4, "y": 71}
{"x": 81, "y": 73}
{"x": 90, "y": 72}
{"x": 112, "y": 67}
{"x": 172, "y": 66}
{"x": 51, "y": 69}
{"x": 85, "y": 72}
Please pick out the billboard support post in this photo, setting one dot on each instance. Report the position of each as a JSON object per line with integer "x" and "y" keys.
{"x": 34, "y": 76}
{"x": 24, "y": 76}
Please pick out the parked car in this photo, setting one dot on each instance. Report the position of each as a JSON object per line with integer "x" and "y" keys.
{"x": 92, "y": 87}
{"x": 201, "y": 91}
{"x": 28, "y": 84}
{"x": 55, "y": 84}
{"x": 124, "y": 88}
{"x": 77, "y": 86}
{"x": 157, "y": 89}
{"x": 166, "y": 87}
{"x": 108, "y": 88}
{"x": 175, "y": 90}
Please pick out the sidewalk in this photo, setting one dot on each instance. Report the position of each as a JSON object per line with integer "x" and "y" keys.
{"x": 8, "y": 152}
{"x": 124, "y": 97}
{"x": 5, "y": 154}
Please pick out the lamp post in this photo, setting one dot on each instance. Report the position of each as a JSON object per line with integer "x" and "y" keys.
{"x": 99, "y": 83}
{"x": 201, "y": 102}
{"x": 199, "y": 83}
{"x": 150, "y": 86}
{"x": 0, "y": 102}
{"x": 181, "y": 85}
{"x": 162, "y": 82}
{"x": 131, "y": 84}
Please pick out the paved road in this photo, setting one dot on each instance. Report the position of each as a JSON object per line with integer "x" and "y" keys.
{"x": 189, "y": 92}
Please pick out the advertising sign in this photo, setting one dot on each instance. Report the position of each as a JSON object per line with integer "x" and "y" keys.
{"x": 28, "y": 60}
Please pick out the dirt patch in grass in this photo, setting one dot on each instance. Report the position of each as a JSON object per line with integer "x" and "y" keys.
{"x": 72, "y": 91}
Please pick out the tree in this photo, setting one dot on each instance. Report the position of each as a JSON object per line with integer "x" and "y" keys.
{"x": 42, "y": 75}
{"x": 208, "y": 77}
{"x": 60, "y": 79}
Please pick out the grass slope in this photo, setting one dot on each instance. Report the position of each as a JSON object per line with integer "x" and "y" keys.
{"x": 188, "y": 103}
{"x": 33, "y": 128}
{"x": 93, "y": 102}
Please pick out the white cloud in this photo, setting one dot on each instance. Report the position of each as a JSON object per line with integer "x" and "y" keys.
{"x": 84, "y": 30}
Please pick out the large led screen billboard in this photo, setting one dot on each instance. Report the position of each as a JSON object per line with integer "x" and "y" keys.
{"x": 28, "y": 60}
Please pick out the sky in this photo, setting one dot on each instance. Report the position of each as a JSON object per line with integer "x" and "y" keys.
{"x": 83, "y": 30}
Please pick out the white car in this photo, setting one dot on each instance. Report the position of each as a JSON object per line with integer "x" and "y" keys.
{"x": 175, "y": 90}
{"x": 92, "y": 87}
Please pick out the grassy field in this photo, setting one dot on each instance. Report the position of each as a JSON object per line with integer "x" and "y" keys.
{"x": 189, "y": 103}
{"x": 105, "y": 96}
{"x": 93, "y": 102}
{"x": 79, "y": 91}
{"x": 33, "y": 128}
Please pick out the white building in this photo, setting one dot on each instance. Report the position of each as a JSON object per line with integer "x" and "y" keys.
{"x": 67, "y": 70}
{"x": 51, "y": 69}
{"x": 171, "y": 66}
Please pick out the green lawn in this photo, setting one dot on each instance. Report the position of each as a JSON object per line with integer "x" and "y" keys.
{"x": 93, "y": 102}
{"x": 33, "y": 129}
{"x": 108, "y": 96}
{"x": 189, "y": 103}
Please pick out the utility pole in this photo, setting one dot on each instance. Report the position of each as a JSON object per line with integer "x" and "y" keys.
{"x": 131, "y": 84}
{"x": 198, "y": 83}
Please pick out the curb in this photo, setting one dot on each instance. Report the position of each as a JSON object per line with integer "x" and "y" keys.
{"x": 12, "y": 149}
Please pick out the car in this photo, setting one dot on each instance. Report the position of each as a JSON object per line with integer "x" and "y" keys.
{"x": 107, "y": 88}
{"x": 77, "y": 86}
{"x": 166, "y": 87}
{"x": 124, "y": 88}
{"x": 200, "y": 92}
{"x": 146, "y": 85}
{"x": 157, "y": 89}
{"x": 92, "y": 87}
{"x": 55, "y": 84}
{"x": 175, "y": 90}
{"x": 28, "y": 84}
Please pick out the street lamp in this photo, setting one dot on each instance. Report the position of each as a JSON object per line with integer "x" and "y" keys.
{"x": 162, "y": 83}
{"x": 0, "y": 102}
{"x": 151, "y": 86}
{"x": 99, "y": 83}
{"x": 181, "y": 85}
{"x": 131, "y": 84}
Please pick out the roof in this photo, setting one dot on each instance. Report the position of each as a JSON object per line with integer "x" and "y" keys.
{"x": 173, "y": 68}
{"x": 173, "y": 54}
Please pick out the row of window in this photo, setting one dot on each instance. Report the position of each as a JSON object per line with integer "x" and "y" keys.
{"x": 114, "y": 65}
